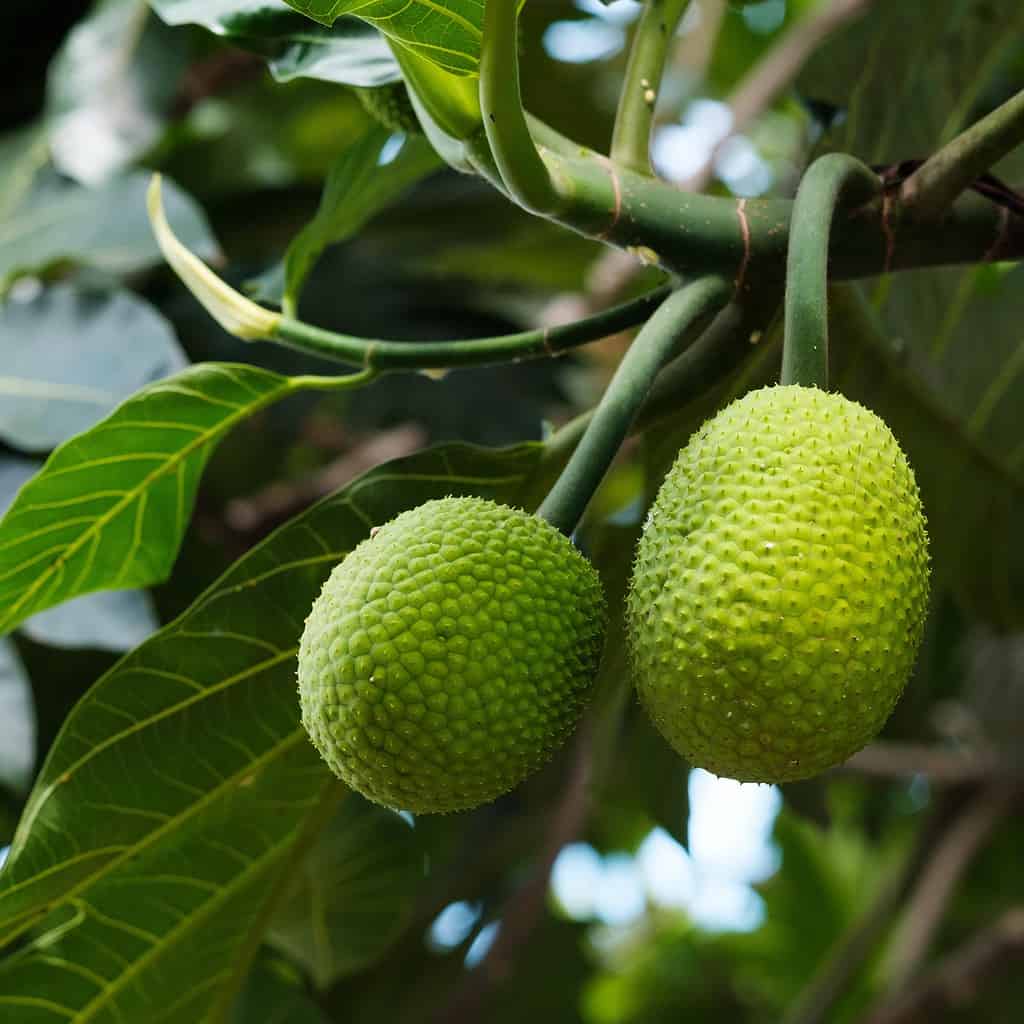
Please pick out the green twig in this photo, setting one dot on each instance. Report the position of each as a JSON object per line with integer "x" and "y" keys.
{"x": 829, "y": 181}
{"x": 523, "y": 171}
{"x": 631, "y": 136}
{"x": 401, "y": 355}
{"x": 930, "y": 190}
{"x": 675, "y": 322}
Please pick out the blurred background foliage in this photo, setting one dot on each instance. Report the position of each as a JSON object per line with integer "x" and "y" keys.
{"x": 684, "y": 898}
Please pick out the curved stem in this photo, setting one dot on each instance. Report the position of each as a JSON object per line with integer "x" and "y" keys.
{"x": 931, "y": 189}
{"x": 832, "y": 179}
{"x": 522, "y": 169}
{"x": 401, "y": 355}
{"x": 631, "y": 136}
{"x": 676, "y": 320}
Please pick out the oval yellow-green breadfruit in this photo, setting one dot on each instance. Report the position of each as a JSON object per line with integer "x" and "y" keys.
{"x": 450, "y": 654}
{"x": 780, "y": 587}
{"x": 390, "y": 106}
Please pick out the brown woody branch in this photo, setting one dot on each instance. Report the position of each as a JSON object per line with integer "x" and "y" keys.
{"x": 958, "y": 979}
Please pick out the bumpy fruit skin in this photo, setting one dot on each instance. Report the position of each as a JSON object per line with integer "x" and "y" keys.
{"x": 780, "y": 587}
{"x": 390, "y": 106}
{"x": 449, "y": 655}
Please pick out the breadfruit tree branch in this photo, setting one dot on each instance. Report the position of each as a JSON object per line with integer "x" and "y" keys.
{"x": 679, "y": 319}
{"x": 631, "y": 136}
{"x": 833, "y": 180}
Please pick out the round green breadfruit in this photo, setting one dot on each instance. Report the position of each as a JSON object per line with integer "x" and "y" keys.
{"x": 450, "y": 654}
{"x": 780, "y": 587}
{"x": 390, "y": 106}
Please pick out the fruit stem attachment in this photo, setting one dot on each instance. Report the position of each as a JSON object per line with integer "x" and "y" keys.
{"x": 929, "y": 192}
{"x": 678, "y": 320}
{"x": 524, "y": 173}
{"x": 631, "y": 136}
{"x": 830, "y": 181}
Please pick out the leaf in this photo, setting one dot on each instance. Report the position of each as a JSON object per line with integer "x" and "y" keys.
{"x": 149, "y": 889}
{"x": 66, "y": 365}
{"x": 115, "y": 620}
{"x": 110, "y": 88}
{"x": 350, "y": 52}
{"x": 54, "y": 221}
{"x": 446, "y": 33}
{"x": 275, "y": 993}
{"x": 17, "y": 721}
{"x": 109, "y": 508}
{"x": 938, "y": 353}
{"x": 353, "y": 894}
{"x": 358, "y": 186}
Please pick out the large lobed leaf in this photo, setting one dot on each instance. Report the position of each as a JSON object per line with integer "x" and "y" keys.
{"x": 938, "y": 353}
{"x": 182, "y": 789}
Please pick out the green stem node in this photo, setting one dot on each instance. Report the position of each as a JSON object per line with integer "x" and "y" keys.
{"x": 442, "y": 355}
{"x": 830, "y": 181}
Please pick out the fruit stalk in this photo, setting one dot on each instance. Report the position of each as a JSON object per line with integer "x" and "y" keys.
{"x": 678, "y": 320}
{"x": 524, "y": 173}
{"x": 631, "y": 135}
{"x": 833, "y": 180}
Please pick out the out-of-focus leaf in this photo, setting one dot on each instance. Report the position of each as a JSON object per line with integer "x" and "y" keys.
{"x": 275, "y": 993}
{"x": 938, "y": 353}
{"x": 150, "y": 888}
{"x": 114, "y": 620}
{"x": 110, "y": 88}
{"x": 55, "y": 221}
{"x": 109, "y": 508}
{"x": 353, "y": 893}
{"x": 358, "y": 186}
{"x": 17, "y": 720}
{"x": 68, "y": 357}
{"x": 350, "y": 52}
{"x": 447, "y": 34}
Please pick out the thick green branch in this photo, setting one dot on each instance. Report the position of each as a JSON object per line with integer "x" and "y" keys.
{"x": 746, "y": 239}
{"x": 439, "y": 355}
{"x": 930, "y": 190}
{"x": 631, "y": 135}
{"x": 523, "y": 171}
{"x": 676, "y": 321}
{"x": 832, "y": 180}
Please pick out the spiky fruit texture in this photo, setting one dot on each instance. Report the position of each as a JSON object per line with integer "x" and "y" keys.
{"x": 780, "y": 587}
{"x": 390, "y": 106}
{"x": 449, "y": 655}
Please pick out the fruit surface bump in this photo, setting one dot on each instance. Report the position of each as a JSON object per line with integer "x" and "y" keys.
{"x": 450, "y": 654}
{"x": 780, "y": 587}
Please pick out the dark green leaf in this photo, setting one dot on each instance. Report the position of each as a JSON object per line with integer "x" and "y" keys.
{"x": 49, "y": 221}
{"x": 149, "y": 888}
{"x": 447, "y": 34}
{"x": 353, "y": 893}
{"x": 70, "y": 356}
{"x": 350, "y": 52}
{"x": 357, "y": 188}
{"x": 275, "y": 994}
